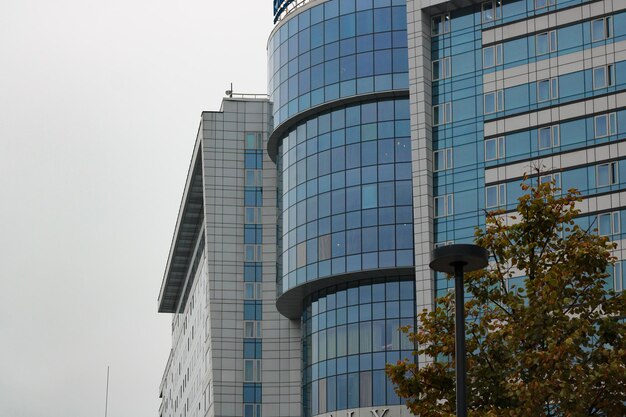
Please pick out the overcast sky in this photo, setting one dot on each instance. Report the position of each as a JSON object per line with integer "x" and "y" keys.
{"x": 99, "y": 108}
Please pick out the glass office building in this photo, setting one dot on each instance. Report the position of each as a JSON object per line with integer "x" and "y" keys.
{"x": 391, "y": 127}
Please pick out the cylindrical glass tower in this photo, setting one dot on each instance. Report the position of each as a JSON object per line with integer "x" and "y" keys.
{"x": 338, "y": 78}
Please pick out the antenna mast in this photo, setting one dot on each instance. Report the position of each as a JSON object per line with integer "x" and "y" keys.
{"x": 106, "y": 401}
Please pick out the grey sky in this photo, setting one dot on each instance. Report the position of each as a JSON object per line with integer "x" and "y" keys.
{"x": 99, "y": 108}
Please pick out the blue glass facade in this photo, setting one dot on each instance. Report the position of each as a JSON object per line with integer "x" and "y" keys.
{"x": 464, "y": 101}
{"x": 338, "y": 78}
{"x": 346, "y": 193}
{"x": 349, "y": 333}
{"x": 334, "y": 50}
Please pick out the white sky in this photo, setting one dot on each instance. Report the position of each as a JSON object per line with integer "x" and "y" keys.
{"x": 99, "y": 108}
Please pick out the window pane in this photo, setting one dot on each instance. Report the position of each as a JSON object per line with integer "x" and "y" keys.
{"x": 543, "y": 91}
{"x": 490, "y": 103}
{"x": 492, "y": 196}
{"x": 489, "y": 57}
{"x": 599, "y": 77}
{"x": 542, "y": 43}
{"x": 600, "y": 126}
{"x": 490, "y": 149}
{"x": 597, "y": 30}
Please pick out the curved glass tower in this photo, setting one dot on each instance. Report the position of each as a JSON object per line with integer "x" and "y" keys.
{"x": 338, "y": 79}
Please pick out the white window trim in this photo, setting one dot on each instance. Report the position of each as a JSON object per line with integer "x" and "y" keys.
{"x": 255, "y": 325}
{"x": 258, "y": 252}
{"x": 448, "y": 205}
{"x": 257, "y": 214}
{"x": 256, "y": 370}
{"x": 258, "y": 140}
{"x": 613, "y": 174}
{"x": 498, "y": 101}
{"x": 614, "y": 222}
{"x": 556, "y": 177}
{"x": 552, "y": 46}
{"x": 500, "y": 148}
{"x": 608, "y": 124}
{"x": 497, "y": 55}
{"x": 496, "y": 7}
{"x": 500, "y": 195}
{"x": 609, "y": 79}
{"x": 607, "y": 28}
{"x": 446, "y": 26}
{"x": 447, "y": 113}
{"x": 256, "y": 290}
{"x": 448, "y": 161}
{"x": 445, "y": 71}
{"x": 555, "y": 137}
{"x": 553, "y": 87}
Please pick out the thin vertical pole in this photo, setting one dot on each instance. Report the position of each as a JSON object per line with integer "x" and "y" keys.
{"x": 106, "y": 401}
{"x": 459, "y": 308}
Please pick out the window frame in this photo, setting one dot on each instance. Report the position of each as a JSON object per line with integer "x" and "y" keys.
{"x": 497, "y": 55}
{"x": 610, "y": 124}
{"x": 609, "y": 76}
{"x": 613, "y": 173}
{"x": 500, "y": 144}
{"x": 257, "y": 141}
{"x": 553, "y": 89}
{"x": 446, "y": 69}
{"x": 448, "y": 205}
{"x": 448, "y": 160}
{"x": 556, "y": 176}
{"x": 551, "y": 39}
{"x": 256, "y": 370}
{"x": 446, "y": 23}
{"x": 555, "y": 137}
{"x": 498, "y": 101}
{"x": 256, "y": 329}
{"x": 614, "y": 223}
{"x": 257, "y": 251}
{"x": 496, "y": 8}
{"x": 607, "y": 28}
{"x": 447, "y": 113}
{"x": 500, "y": 195}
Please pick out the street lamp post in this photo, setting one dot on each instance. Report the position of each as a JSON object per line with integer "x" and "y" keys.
{"x": 456, "y": 259}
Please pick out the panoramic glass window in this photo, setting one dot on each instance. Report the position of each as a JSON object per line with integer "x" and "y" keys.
{"x": 349, "y": 333}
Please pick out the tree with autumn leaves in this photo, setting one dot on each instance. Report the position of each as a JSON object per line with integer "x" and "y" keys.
{"x": 552, "y": 345}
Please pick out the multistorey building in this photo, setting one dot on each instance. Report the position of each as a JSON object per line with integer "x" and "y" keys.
{"x": 232, "y": 353}
{"x": 391, "y": 127}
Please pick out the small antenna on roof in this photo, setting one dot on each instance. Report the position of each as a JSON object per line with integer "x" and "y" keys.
{"x": 106, "y": 401}
{"x": 229, "y": 93}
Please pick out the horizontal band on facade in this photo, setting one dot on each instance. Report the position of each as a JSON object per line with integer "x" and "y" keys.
{"x": 291, "y": 302}
{"x": 277, "y": 134}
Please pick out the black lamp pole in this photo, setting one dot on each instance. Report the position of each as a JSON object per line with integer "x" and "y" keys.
{"x": 455, "y": 259}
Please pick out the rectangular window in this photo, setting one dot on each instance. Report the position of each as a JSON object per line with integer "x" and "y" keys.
{"x": 252, "y": 370}
{"x": 442, "y": 114}
{"x": 554, "y": 178}
{"x": 545, "y": 42}
{"x": 254, "y": 178}
{"x": 549, "y": 137}
{"x": 491, "y": 10}
{"x": 617, "y": 277}
{"x": 606, "y": 174}
{"x": 441, "y": 24}
{"x": 547, "y": 89}
{"x": 608, "y": 223}
{"x": 441, "y": 69}
{"x": 540, "y": 4}
{"x": 494, "y": 101}
{"x": 252, "y": 329}
{"x": 494, "y": 149}
{"x": 252, "y": 410}
{"x": 605, "y": 125}
{"x": 254, "y": 140}
{"x": 495, "y": 195}
{"x": 253, "y": 253}
{"x": 603, "y": 77}
{"x": 443, "y": 159}
{"x": 323, "y": 249}
{"x": 253, "y": 215}
{"x": 492, "y": 56}
{"x": 444, "y": 205}
{"x": 252, "y": 291}
{"x": 601, "y": 29}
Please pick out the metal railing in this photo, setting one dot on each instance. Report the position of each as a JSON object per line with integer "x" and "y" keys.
{"x": 288, "y": 7}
